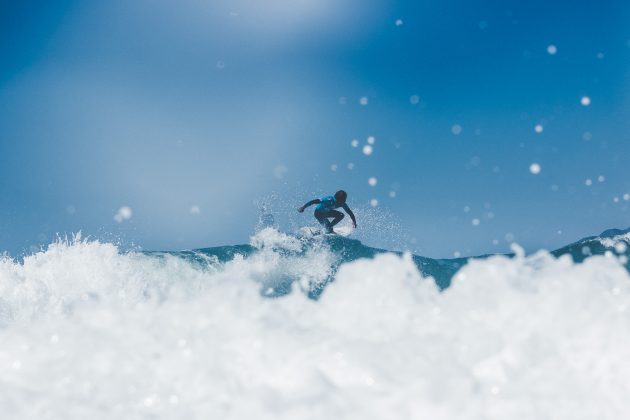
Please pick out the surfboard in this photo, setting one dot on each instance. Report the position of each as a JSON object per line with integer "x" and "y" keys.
{"x": 343, "y": 230}
{"x": 310, "y": 232}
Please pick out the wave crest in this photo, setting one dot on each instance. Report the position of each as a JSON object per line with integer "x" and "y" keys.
{"x": 90, "y": 332}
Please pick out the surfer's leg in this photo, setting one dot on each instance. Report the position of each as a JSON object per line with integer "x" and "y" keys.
{"x": 321, "y": 217}
{"x": 338, "y": 216}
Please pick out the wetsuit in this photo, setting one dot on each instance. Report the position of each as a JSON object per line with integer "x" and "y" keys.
{"x": 326, "y": 209}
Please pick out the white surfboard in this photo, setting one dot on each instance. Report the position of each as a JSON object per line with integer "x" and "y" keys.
{"x": 309, "y": 232}
{"x": 345, "y": 230}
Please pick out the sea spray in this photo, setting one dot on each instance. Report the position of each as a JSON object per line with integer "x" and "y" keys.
{"x": 93, "y": 333}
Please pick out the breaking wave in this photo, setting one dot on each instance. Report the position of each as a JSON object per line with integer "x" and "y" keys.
{"x": 309, "y": 328}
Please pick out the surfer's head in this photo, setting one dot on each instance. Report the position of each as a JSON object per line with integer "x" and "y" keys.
{"x": 340, "y": 196}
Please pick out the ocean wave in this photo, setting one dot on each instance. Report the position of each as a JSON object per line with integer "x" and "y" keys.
{"x": 285, "y": 328}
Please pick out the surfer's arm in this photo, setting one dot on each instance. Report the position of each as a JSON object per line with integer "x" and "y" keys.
{"x": 310, "y": 203}
{"x": 347, "y": 209}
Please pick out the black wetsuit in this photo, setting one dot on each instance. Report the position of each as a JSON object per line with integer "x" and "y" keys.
{"x": 326, "y": 209}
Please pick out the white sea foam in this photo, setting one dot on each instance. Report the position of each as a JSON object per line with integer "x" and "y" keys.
{"x": 90, "y": 333}
{"x": 618, "y": 241}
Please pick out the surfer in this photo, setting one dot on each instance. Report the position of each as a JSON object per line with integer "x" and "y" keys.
{"x": 326, "y": 209}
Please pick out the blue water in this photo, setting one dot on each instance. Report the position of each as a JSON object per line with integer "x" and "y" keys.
{"x": 290, "y": 328}
{"x": 347, "y": 249}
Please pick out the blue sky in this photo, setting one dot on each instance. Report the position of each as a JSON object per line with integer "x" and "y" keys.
{"x": 194, "y": 113}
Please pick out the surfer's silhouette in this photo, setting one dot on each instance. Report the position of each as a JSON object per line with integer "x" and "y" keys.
{"x": 326, "y": 209}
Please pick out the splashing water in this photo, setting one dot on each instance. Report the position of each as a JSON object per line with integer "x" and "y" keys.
{"x": 89, "y": 332}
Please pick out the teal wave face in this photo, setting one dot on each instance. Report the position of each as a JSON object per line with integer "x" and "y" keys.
{"x": 311, "y": 263}
{"x": 610, "y": 242}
